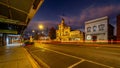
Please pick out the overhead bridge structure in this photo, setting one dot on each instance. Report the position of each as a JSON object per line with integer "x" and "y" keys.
{"x": 15, "y": 15}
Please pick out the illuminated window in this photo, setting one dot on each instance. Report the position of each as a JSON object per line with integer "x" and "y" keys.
{"x": 94, "y": 28}
{"x": 66, "y": 33}
{"x": 88, "y": 29}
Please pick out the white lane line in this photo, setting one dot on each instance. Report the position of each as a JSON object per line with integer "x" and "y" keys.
{"x": 79, "y": 58}
{"x": 76, "y": 63}
{"x": 35, "y": 50}
{"x": 38, "y": 50}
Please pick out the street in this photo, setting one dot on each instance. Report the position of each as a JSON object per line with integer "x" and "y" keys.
{"x": 73, "y": 56}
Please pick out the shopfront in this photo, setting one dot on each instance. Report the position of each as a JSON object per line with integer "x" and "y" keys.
{"x": 13, "y": 40}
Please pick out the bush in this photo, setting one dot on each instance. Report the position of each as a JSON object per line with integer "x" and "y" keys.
{"x": 28, "y": 43}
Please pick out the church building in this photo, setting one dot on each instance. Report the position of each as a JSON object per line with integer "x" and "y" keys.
{"x": 65, "y": 34}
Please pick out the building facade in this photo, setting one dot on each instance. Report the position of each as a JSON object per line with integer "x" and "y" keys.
{"x": 65, "y": 34}
{"x": 98, "y": 30}
{"x": 118, "y": 28}
{"x": 76, "y": 35}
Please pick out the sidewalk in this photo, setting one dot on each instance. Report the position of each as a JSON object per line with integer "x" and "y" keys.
{"x": 16, "y": 57}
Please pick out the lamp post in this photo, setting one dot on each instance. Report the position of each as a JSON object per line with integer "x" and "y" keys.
{"x": 41, "y": 27}
{"x": 31, "y": 37}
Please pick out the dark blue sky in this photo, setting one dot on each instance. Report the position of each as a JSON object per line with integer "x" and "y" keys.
{"x": 75, "y": 12}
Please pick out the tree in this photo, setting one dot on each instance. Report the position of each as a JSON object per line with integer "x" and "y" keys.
{"x": 36, "y": 36}
{"x": 52, "y": 33}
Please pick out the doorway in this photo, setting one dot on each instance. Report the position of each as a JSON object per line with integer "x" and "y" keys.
{"x": 94, "y": 38}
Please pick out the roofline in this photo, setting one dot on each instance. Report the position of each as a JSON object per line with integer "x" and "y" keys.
{"x": 98, "y": 19}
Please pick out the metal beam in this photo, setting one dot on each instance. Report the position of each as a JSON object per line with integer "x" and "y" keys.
{"x": 9, "y": 21}
{"x": 8, "y": 31}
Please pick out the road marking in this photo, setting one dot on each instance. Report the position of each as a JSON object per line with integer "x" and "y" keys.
{"x": 38, "y": 50}
{"x": 79, "y": 58}
{"x": 76, "y": 63}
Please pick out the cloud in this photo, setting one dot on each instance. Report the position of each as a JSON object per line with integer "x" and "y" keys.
{"x": 90, "y": 13}
{"x": 72, "y": 21}
{"x": 69, "y": 19}
{"x": 86, "y": 14}
{"x": 98, "y": 11}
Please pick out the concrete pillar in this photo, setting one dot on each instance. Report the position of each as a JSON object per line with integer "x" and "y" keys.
{"x": 4, "y": 39}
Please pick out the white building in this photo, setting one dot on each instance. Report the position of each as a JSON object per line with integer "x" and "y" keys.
{"x": 98, "y": 30}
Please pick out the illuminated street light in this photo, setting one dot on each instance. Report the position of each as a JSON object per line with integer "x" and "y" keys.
{"x": 41, "y": 26}
{"x": 33, "y": 31}
{"x": 42, "y": 32}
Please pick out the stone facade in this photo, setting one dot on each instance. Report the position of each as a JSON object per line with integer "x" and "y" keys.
{"x": 65, "y": 34}
{"x": 98, "y": 30}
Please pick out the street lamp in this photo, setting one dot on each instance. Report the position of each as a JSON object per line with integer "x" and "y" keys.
{"x": 41, "y": 27}
{"x": 33, "y": 31}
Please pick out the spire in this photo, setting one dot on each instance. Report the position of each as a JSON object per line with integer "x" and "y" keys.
{"x": 63, "y": 21}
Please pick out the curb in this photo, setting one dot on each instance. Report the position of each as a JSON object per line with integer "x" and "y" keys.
{"x": 92, "y": 45}
{"x": 102, "y": 45}
{"x": 40, "y": 62}
{"x": 32, "y": 61}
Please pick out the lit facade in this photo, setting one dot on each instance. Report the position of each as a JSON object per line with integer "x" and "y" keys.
{"x": 13, "y": 40}
{"x": 98, "y": 30}
{"x": 76, "y": 35}
{"x": 65, "y": 34}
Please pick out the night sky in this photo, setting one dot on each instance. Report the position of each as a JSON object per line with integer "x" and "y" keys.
{"x": 75, "y": 12}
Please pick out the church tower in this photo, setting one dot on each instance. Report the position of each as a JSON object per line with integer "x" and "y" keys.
{"x": 63, "y": 21}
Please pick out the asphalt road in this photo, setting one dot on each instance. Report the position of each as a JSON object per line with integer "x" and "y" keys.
{"x": 72, "y": 56}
